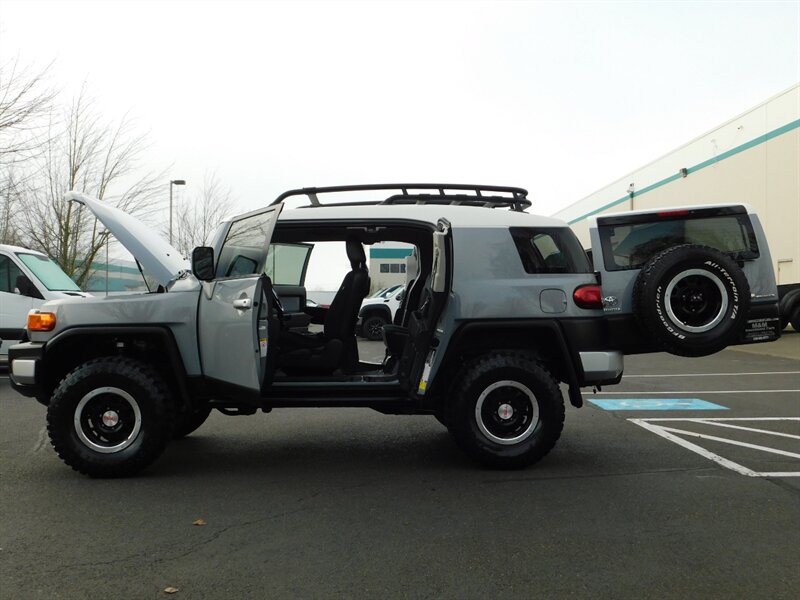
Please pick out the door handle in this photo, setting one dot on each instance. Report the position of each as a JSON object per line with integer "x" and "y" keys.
{"x": 243, "y": 303}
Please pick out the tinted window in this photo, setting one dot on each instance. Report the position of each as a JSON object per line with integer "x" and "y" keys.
{"x": 244, "y": 248}
{"x": 550, "y": 250}
{"x": 629, "y": 246}
{"x": 8, "y": 274}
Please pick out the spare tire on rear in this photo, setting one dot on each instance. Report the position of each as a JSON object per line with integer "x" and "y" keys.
{"x": 692, "y": 299}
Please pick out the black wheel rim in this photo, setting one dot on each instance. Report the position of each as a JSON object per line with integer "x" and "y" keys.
{"x": 507, "y": 412}
{"x": 374, "y": 328}
{"x": 696, "y": 300}
{"x": 107, "y": 420}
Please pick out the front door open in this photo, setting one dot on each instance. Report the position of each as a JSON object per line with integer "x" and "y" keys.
{"x": 236, "y": 307}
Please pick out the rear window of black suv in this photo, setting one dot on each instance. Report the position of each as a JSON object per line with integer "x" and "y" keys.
{"x": 549, "y": 250}
{"x": 629, "y": 242}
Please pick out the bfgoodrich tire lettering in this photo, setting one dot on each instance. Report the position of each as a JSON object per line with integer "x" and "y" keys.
{"x": 507, "y": 411}
{"x": 110, "y": 417}
{"x": 693, "y": 300}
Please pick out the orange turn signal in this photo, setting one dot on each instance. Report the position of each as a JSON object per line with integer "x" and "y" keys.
{"x": 41, "y": 321}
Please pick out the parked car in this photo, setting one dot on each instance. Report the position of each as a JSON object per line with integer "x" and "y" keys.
{"x": 27, "y": 279}
{"x": 377, "y": 311}
{"x": 504, "y": 308}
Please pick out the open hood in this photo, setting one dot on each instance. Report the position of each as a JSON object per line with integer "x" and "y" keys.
{"x": 156, "y": 256}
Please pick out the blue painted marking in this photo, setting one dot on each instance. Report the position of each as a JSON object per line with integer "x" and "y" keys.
{"x": 657, "y": 404}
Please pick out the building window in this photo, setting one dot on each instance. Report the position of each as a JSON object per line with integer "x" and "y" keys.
{"x": 384, "y": 268}
{"x": 395, "y": 268}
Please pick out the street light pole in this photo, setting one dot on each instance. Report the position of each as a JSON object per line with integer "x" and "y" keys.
{"x": 171, "y": 183}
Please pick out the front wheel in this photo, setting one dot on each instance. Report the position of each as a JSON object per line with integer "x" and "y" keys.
{"x": 373, "y": 327}
{"x": 110, "y": 417}
{"x": 507, "y": 410}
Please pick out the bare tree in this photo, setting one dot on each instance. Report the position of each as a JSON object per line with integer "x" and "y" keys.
{"x": 198, "y": 216}
{"x": 25, "y": 98}
{"x": 85, "y": 153}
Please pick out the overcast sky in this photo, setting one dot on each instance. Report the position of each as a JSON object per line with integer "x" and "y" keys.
{"x": 560, "y": 98}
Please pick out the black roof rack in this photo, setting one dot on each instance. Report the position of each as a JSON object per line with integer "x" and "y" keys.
{"x": 423, "y": 193}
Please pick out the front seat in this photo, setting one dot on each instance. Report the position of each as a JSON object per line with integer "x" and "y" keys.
{"x": 336, "y": 347}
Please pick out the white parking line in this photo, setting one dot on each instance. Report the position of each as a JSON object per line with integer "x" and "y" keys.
{"x": 669, "y": 433}
{"x": 753, "y": 429}
{"x": 626, "y": 376}
{"x": 714, "y": 438}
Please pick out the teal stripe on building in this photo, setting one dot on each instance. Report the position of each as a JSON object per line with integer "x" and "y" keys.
{"x": 762, "y": 139}
{"x": 396, "y": 253}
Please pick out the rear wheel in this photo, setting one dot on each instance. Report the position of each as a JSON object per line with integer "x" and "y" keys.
{"x": 794, "y": 319}
{"x": 507, "y": 411}
{"x": 110, "y": 417}
{"x": 190, "y": 420}
{"x": 692, "y": 300}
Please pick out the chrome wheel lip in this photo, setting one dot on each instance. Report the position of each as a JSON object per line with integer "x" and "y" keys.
{"x": 93, "y": 445}
{"x": 723, "y": 309}
{"x": 534, "y": 412}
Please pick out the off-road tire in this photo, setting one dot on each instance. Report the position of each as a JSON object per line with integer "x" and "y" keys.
{"x": 372, "y": 327}
{"x": 692, "y": 300}
{"x": 516, "y": 378}
{"x": 127, "y": 384}
{"x": 190, "y": 420}
{"x": 794, "y": 319}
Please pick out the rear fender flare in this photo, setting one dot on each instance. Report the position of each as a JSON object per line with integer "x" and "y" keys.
{"x": 543, "y": 337}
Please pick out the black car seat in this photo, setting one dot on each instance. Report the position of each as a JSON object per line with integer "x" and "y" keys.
{"x": 334, "y": 348}
{"x": 395, "y": 335}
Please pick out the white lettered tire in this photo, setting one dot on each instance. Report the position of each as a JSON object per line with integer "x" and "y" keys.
{"x": 693, "y": 300}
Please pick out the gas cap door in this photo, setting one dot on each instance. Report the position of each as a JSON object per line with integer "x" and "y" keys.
{"x": 553, "y": 301}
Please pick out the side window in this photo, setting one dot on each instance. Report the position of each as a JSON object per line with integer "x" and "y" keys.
{"x": 8, "y": 274}
{"x": 245, "y": 246}
{"x": 287, "y": 263}
{"x": 550, "y": 250}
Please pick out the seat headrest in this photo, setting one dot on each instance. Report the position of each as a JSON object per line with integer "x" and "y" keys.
{"x": 355, "y": 253}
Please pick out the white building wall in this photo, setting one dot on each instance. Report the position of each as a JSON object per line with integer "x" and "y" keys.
{"x": 753, "y": 159}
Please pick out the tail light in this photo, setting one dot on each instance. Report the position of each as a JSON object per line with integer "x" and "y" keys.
{"x": 588, "y": 296}
{"x": 41, "y": 321}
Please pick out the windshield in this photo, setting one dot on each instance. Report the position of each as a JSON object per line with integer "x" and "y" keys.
{"x": 49, "y": 273}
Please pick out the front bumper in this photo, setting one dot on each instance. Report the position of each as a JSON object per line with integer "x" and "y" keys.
{"x": 24, "y": 362}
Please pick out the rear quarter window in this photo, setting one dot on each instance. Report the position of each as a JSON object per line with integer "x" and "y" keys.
{"x": 549, "y": 250}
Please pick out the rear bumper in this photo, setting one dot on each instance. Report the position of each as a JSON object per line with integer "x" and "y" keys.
{"x": 602, "y": 367}
{"x": 24, "y": 362}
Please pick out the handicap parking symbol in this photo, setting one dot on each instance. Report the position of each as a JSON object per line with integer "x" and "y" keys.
{"x": 656, "y": 404}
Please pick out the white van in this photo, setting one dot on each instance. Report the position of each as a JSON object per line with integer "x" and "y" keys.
{"x": 27, "y": 279}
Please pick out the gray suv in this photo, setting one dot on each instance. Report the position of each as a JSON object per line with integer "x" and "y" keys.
{"x": 504, "y": 308}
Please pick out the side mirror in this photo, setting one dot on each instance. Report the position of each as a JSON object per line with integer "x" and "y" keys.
{"x": 203, "y": 263}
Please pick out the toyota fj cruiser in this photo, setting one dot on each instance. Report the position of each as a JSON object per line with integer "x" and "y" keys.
{"x": 505, "y": 306}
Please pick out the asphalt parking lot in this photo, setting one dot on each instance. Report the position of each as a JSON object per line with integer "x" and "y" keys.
{"x": 317, "y": 503}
